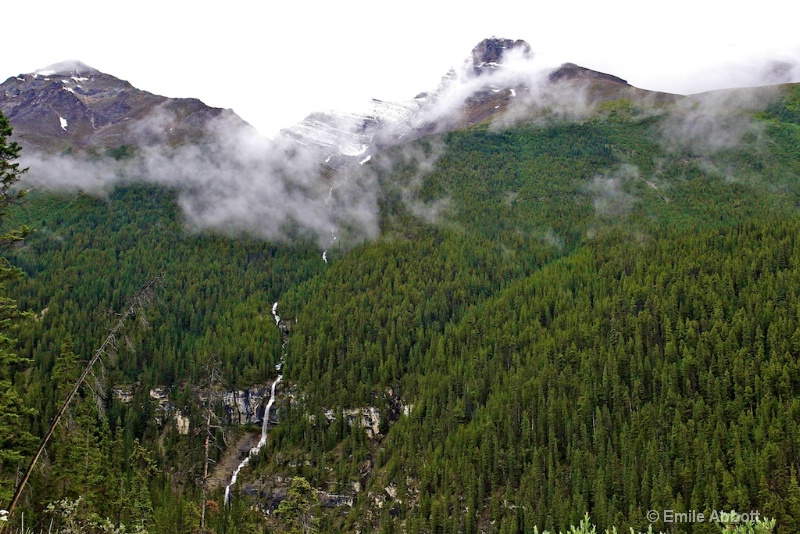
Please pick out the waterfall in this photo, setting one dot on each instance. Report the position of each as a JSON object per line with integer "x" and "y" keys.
{"x": 333, "y": 228}
{"x": 275, "y": 314}
{"x": 265, "y": 424}
{"x": 263, "y": 441}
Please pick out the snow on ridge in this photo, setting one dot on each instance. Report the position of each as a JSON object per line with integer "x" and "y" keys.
{"x": 63, "y": 123}
{"x": 337, "y": 132}
{"x": 353, "y": 150}
{"x": 394, "y": 112}
{"x": 352, "y": 133}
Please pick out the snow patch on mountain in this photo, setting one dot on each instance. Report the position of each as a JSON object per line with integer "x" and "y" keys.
{"x": 352, "y": 134}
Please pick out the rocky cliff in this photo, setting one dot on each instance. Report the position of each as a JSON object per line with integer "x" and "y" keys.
{"x": 242, "y": 406}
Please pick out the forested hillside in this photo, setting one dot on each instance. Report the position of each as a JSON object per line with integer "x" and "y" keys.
{"x": 558, "y": 317}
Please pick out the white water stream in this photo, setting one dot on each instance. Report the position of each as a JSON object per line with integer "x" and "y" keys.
{"x": 264, "y": 425}
{"x": 333, "y": 228}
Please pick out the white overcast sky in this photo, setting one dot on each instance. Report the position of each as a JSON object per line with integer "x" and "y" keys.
{"x": 274, "y": 62}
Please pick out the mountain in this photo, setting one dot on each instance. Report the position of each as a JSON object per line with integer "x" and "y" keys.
{"x": 555, "y": 295}
{"x": 72, "y": 105}
{"x": 499, "y": 76}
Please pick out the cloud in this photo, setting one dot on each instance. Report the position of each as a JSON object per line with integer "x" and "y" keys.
{"x": 608, "y": 191}
{"x": 747, "y": 70}
{"x": 400, "y": 173}
{"x": 544, "y": 101}
{"x": 234, "y": 182}
{"x": 66, "y": 173}
{"x": 155, "y": 128}
{"x": 462, "y": 88}
{"x": 238, "y": 182}
{"x": 707, "y": 123}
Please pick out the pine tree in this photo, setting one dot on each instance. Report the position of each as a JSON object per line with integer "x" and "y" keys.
{"x": 297, "y": 511}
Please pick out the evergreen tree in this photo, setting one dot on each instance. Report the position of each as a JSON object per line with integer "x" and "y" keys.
{"x": 297, "y": 511}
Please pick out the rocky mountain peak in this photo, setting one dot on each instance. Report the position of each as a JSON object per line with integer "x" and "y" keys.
{"x": 489, "y": 54}
{"x": 70, "y": 105}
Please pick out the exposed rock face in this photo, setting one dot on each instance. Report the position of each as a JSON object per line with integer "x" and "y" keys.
{"x": 123, "y": 394}
{"x": 165, "y": 409}
{"x": 242, "y": 406}
{"x": 489, "y": 54}
{"x": 368, "y": 418}
{"x": 72, "y": 105}
{"x": 246, "y": 406}
{"x": 182, "y": 422}
{"x": 334, "y": 500}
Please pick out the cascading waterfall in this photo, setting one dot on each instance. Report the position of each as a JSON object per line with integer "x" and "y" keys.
{"x": 333, "y": 229}
{"x": 265, "y": 424}
{"x": 261, "y": 442}
{"x": 275, "y": 314}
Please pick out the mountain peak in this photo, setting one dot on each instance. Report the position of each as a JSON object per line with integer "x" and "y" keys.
{"x": 489, "y": 54}
{"x": 67, "y": 67}
{"x": 571, "y": 71}
{"x": 72, "y": 105}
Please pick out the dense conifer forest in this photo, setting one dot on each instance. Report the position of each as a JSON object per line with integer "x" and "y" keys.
{"x": 592, "y": 316}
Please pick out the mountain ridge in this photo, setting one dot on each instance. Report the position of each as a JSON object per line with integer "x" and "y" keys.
{"x": 482, "y": 88}
{"x": 70, "y": 105}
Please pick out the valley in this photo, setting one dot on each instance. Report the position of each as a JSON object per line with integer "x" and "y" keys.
{"x": 541, "y": 296}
